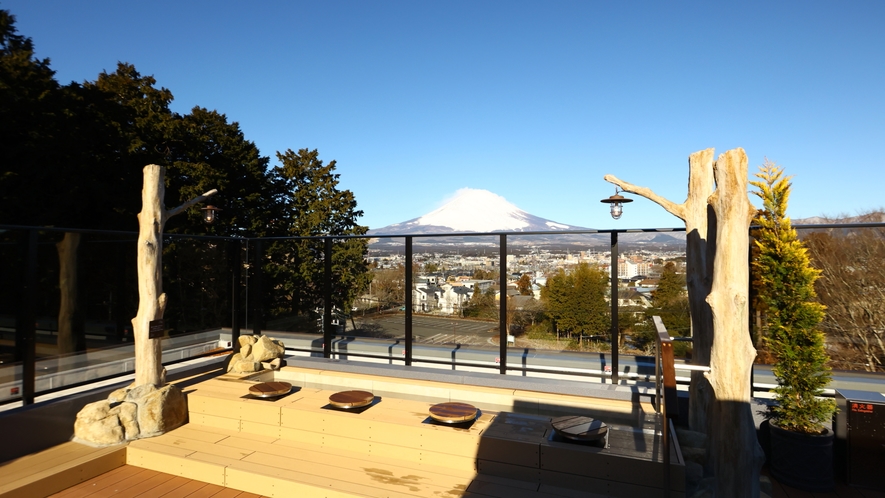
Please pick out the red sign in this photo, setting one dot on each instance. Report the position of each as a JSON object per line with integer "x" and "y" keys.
{"x": 862, "y": 407}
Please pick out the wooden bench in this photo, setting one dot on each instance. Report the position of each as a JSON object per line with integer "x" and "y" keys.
{"x": 298, "y": 445}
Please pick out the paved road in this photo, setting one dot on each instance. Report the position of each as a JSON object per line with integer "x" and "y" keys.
{"x": 432, "y": 330}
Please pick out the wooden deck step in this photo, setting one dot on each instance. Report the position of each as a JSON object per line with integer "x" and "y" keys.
{"x": 57, "y": 468}
{"x": 279, "y": 467}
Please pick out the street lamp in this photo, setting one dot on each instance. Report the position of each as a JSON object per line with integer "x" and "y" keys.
{"x": 615, "y": 201}
{"x": 209, "y": 213}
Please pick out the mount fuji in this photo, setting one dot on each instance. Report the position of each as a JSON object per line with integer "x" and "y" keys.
{"x": 481, "y": 211}
{"x": 474, "y": 210}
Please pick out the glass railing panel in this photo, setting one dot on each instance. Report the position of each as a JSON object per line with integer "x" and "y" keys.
{"x": 852, "y": 287}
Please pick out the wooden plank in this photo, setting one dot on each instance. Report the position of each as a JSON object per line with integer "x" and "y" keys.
{"x": 208, "y": 420}
{"x": 499, "y": 490}
{"x": 189, "y": 489}
{"x": 171, "y": 485}
{"x": 146, "y": 486}
{"x": 509, "y": 450}
{"x": 66, "y": 474}
{"x": 99, "y": 483}
{"x": 147, "y": 457}
{"x": 349, "y": 460}
{"x": 599, "y": 463}
{"x": 47, "y": 459}
{"x": 174, "y": 440}
{"x": 509, "y": 471}
{"x": 282, "y": 484}
{"x": 375, "y": 480}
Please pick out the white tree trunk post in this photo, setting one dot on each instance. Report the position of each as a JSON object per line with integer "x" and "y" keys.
{"x": 700, "y": 247}
{"x": 736, "y": 455}
{"x": 151, "y": 299}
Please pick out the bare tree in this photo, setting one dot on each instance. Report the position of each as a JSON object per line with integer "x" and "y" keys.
{"x": 852, "y": 287}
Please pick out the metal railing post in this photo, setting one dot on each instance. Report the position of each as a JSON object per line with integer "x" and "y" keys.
{"x": 408, "y": 300}
{"x": 502, "y": 315}
{"x": 236, "y": 262}
{"x": 258, "y": 288}
{"x": 26, "y": 328}
{"x": 614, "y": 302}
{"x": 327, "y": 297}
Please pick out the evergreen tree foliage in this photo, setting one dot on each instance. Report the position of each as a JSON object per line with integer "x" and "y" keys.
{"x": 73, "y": 157}
{"x": 670, "y": 302}
{"x": 576, "y": 300}
{"x": 313, "y": 206}
{"x": 524, "y": 284}
{"x": 784, "y": 281}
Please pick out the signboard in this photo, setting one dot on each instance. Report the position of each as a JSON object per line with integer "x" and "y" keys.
{"x": 155, "y": 329}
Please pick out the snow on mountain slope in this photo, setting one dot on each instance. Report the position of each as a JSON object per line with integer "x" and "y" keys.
{"x": 475, "y": 210}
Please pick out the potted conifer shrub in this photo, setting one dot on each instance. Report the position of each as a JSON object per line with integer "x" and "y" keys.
{"x": 801, "y": 446}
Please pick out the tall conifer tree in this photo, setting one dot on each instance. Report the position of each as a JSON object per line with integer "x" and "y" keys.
{"x": 784, "y": 281}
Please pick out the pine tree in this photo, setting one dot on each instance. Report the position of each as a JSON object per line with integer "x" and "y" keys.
{"x": 784, "y": 281}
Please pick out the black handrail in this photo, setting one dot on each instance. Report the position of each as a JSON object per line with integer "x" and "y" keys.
{"x": 26, "y": 333}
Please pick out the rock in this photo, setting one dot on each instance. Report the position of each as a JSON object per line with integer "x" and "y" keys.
{"x": 246, "y": 340}
{"x": 245, "y": 350}
{"x": 119, "y": 395}
{"x": 276, "y": 363}
{"x": 247, "y": 366}
{"x": 96, "y": 425}
{"x": 102, "y": 432}
{"x": 161, "y": 410}
{"x": 127, "y": 413}
{"x": 233, "y": 360}
{"x": 137, "y": 393}
{"x": 693, "y": 439}
{"x": 265, "y": 349}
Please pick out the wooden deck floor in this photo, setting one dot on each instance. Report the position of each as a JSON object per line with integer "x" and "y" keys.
{"x": 131, "y": 481}
{"x": 842, "y": 491}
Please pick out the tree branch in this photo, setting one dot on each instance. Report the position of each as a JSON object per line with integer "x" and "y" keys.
{"x": 196, "y": 200}
{"x": 677, "y": 210}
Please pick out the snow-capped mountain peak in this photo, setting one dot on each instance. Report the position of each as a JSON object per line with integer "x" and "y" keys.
{"x": 475, "y": 210}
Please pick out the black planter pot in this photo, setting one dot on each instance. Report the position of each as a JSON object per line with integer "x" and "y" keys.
{"x": 803, "y": 461}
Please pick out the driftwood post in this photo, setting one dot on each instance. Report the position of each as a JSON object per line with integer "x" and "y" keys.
{"x": 700, "y": 228}
{"x": 151, "y": 299}
{"x": 718, "y": 225}
{"x": 737, "y": 457}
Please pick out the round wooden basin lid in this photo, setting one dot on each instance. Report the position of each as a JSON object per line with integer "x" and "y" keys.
{"x": 580, "y": 428}
{"x": 270, "y": 389}
{"x": 453, "y": 412}
{"x": 351, "y": 399}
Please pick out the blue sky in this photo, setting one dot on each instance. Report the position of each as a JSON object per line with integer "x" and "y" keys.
{"x": 534, "y": 101}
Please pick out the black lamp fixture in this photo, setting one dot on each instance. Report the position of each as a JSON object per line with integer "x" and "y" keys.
{"x": 209, "y": 213}
{"x": 616, "y": 202}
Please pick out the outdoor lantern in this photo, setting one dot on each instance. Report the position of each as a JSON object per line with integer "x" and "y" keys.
{"x": 615, "y": 201}
{"x": 209, "y": 213}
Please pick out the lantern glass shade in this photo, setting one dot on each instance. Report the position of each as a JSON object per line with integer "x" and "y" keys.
{"x": 209, "y": 213}
{"x": 616, "y": 202}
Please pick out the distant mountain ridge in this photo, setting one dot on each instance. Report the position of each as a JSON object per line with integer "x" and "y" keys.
{"x": 481, "y": 211}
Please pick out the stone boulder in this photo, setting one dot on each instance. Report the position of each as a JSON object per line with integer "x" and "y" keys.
{"x": 96, "y": 424}
{"x": 257, "y": 353}
{"x": 266, "y": 349}
{"x": 131, "y": 413}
